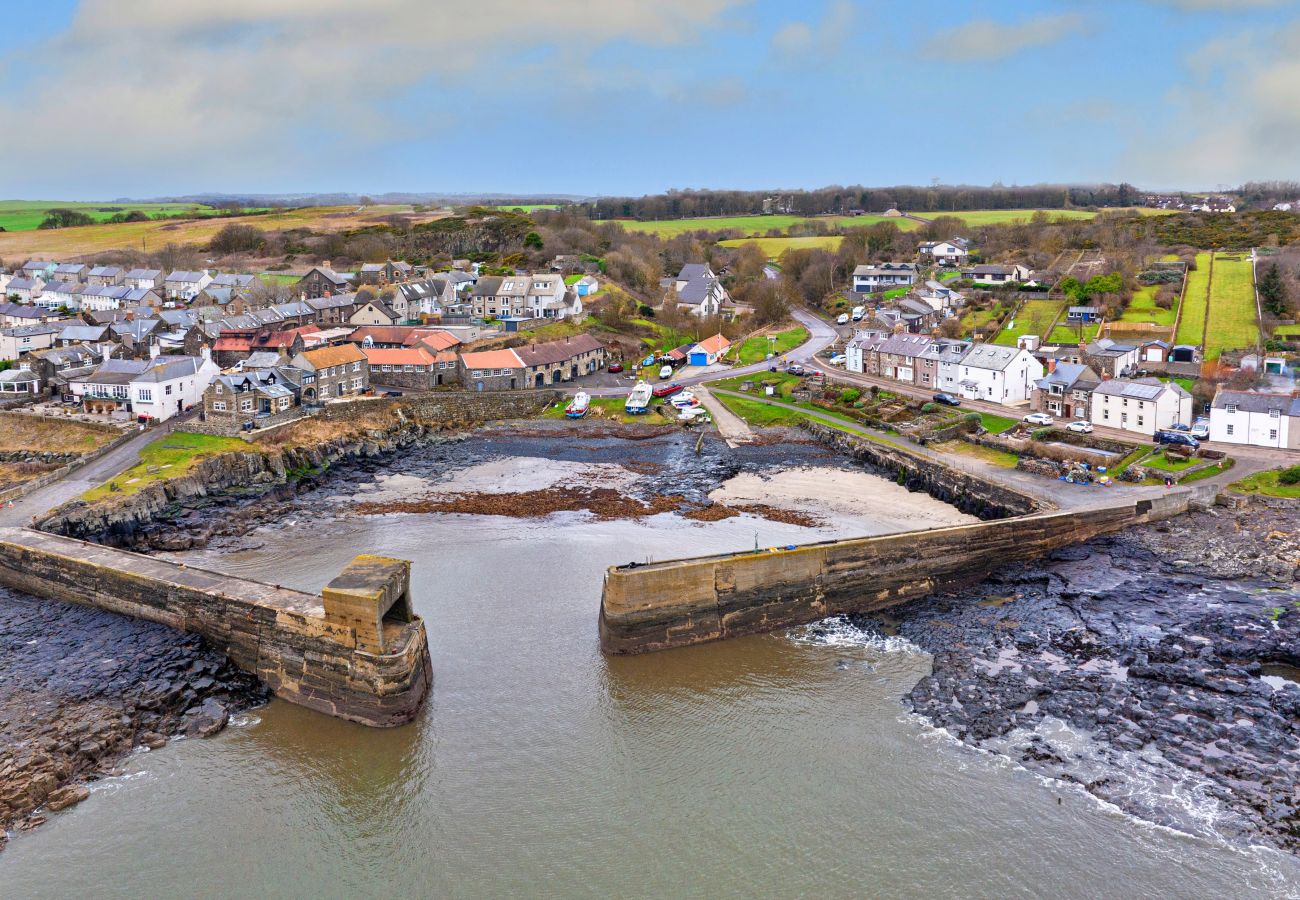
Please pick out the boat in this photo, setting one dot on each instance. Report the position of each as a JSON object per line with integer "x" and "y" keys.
{"x": 685, "y": 400}
{"x": 639, "y": 400}
{"x": 578, "y": 408}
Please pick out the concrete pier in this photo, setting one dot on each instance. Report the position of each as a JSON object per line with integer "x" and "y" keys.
{"x": 357, "y": 651}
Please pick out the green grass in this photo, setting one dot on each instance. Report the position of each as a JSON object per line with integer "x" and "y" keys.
{"x": 1207, "y": 472}
{"x": 756, "y": 349}
{"x": 1185, "y": 383}
{"x": 1070, "y": 334}
{"x": 27, "y": 215}
{"x": 976, "y": 217}
{"x": 1035, "y": 317}
{"x": 609, "y": 409}
{"x": 527, "y": 207}
{"x": 1158, "y": 460}
{"x": 774, "y": 247}
{"x": 1142, "y": 308}
{"x": 755, "y": 226}
{"x": 761, "y": 415}
{"x": 1266, "y": 483}
{"x": 279, "y": 278}
{"x": 996, "y": 424}
{"x": 172, "y": 455}
{"x": 1196, "y": 299}
{"x": 783, "y": 381}
{"x": 992, "y": 455}
{"x": 1287, "y": 331}
{"x": 573, "y": 279}
{"x": 1232, "y": 321}
{"x": 664, "y": 338}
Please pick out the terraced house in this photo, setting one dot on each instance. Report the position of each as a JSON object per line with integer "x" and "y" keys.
{"x": 534, "y": 366}
{"x": 332, "y": 373}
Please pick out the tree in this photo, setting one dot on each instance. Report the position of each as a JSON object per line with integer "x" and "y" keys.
{"x": 65, "y": 218}
{"x": 237, "y": 239}
{"x": 1273, "y": 292}
{"x": 533, "y": 241}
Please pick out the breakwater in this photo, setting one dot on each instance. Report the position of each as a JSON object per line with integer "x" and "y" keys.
{"x": 356, "y": 651}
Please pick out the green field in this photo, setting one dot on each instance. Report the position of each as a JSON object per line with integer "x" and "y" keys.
{"x": 1072, "y": 334}
{"x": 996, "y": 424}
{"x": 1196, "y": 298}
{"x": 527, "y": 207}
{"x": 169, "y": 456}
{"x": 279, "y": 278}
{"x": 756, "y": 226}
{"x": 774, "y": 247}
{"x": 1035, "y": 317}
{"x": 1142, "y": 308}
{"x": 26, "y": 215}
{"x": 756, "y": 348}
{"x": 1287, "y": 331}
{"x": 977, "y": 217}
{"x": 1233, "y": 324}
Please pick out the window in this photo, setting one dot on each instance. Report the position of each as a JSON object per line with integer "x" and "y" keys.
{"x": 1229, "y": 428}
{"x": 1230, "y": 408}
{"x": 356, "y": 366}
{"x": 356, "y": 384}
{"x": 218, "y": 405}
{"x": 1272, "y": 434}
{"x": 1139, "y": 421}
{"x": 478, "y": 373}
{"x": 1274, "y": 413}
{"x": 168, "y": 390}
{"x": 246, "y": 405}
{"x": 146, "y": 395}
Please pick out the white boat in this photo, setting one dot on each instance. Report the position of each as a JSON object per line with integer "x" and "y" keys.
{"x": 693, "y": 413}
{"x": 639, "y": 400}
{"x": 578, "y": 408}
{"x": 684, "y": 400}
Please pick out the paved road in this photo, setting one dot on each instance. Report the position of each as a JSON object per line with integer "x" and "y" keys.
{"x": 733, "y": 429}
{"x": 78, "y": 482}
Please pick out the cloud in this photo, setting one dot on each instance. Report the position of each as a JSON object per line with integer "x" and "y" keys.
{"x": 797, "y": 41}
{"x": 985, "y": 39}
{"x": 211, "y": 91}
{"x": 1222, "y": 5}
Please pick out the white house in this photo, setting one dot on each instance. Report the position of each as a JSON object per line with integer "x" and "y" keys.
{"x": 25, "y": 289}
{"x": 1143, "y": 406}
{"x": 100, "y": 298}
{"x": 994, "y": 373}
{"x": 16, "y": 341}
{"x": 995, "y": 275}
{"x": 952, "y": 252}
{"x": 882, "y": 277}
{"x": 699, "y": 291}
{"x": 858, "y": 351}
{"x": 58, "y": 294}
{"x": 186, "y": 285}
{"x": 550, "y": 298}
{"x": 171, "y": 385}
{"x": 1258, "y": 419}
{"x": 144, "y": 278}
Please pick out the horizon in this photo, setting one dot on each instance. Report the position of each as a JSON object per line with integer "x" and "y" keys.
{"x": 629, "y": 99}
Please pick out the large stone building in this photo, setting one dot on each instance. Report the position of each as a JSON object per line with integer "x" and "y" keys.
{"x": 535, "y": 365}
{"x": 331, "y": 373}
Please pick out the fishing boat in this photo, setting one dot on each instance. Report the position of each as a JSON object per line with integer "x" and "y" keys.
{"x": 685, "y": 400}
{"x": 578, "y": 408}
{"x": 639, "y": 400}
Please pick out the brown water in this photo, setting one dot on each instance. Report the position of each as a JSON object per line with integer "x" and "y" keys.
{"x": 766, "y": 766}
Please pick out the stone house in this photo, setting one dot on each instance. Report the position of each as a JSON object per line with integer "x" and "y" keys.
{"x": 322, "y": 281}
{"x": 237, "y": 401}
{"x": 417, "y": 368}
{"x": 71, "y": 272}
{"x": 1065, "y": 391}
{"x": 1111, "y": 358}
{"x": 334, "y": 309}
{"x": 389, "y": 272}
{"x": 899, "y": 356}
{"x": 185, "y": 285}
{"x": 373, "y": 312}
{"x": 106, "y": 276}
{"x": 332, "y": 372}
{"x": 532, "y": 366}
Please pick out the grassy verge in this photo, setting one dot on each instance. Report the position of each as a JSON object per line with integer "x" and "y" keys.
{"x": 756, "y": 349}
{"x": 1133, "y": 456}
{"x": 1002, "y": 458}
{"x": 170, "y": 456}
{"x": 765, "y": 414}
{"x": 1207, "y": 472}
{"x": 19, "y": 432}
{"x": 1266, "y": 483}
{"x": 996, "y": 424}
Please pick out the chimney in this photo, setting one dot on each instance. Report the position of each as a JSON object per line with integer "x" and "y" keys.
{"x": 154, "y": 349}
{"x": 326, "y": 264}
{"x": 1051, "y": 366}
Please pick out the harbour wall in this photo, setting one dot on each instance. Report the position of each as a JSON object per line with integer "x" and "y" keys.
{"x": 677, "y": 603}
{"x": 356, "y": 651}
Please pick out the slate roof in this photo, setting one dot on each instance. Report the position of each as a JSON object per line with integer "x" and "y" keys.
{"x": 1069, "y": 376}
{"x": 1257, "y": 401}
{"x": 990, "y": 357}
{"x": 558, "y": 351}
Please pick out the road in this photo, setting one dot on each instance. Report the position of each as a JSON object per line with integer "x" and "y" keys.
{"x": 78, "y": 482}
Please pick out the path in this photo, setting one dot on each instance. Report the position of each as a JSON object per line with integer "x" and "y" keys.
{"x": 79, "y": 481}
{"x": 731, "y": 427}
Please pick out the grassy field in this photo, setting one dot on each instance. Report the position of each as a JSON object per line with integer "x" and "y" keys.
{"x": 27, "y": 215}
{"x": 756, "y": 348}
{"x": 527, "y": 207}
{"x": 976, "y": 217}
{"x": 1233, "y": 324}
{"x": 1196, "y": 299}
{"x": 169, "y": 456}
{"x": 996, "y": 424}
{"x": 1070, "y": 334}
{"x": 1287, "y": 331}
{"x": 774, "y": 247}
{"x": 1142, "y": 308}
{"x": 1035, "y": 317}
{"x": 19, "y": 432}
{"x": 63, "y": 242}
{"x": 756, "y": 226}
{"x": 1266, "y": 483}
{"x": 991, "y": 455}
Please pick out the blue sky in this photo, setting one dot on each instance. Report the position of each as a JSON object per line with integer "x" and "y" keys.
{"x": 624, "y": 97}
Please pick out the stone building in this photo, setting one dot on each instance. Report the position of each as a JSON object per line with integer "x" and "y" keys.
{"x": 333, "y": 372}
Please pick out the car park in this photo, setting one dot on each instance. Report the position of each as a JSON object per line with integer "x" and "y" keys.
{"x": 1080, "y": 426}
{"x": 1177, "y": 438}
{"x": 1038, "y": 419}
{"x": 947, "y": 399}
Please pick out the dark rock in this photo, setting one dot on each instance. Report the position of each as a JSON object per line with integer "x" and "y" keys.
{"x": 207, "y": 720}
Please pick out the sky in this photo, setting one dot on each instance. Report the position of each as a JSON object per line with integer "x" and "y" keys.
{"x": 146, "y": 98}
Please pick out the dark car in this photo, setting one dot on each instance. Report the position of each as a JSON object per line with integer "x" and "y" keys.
{"x": 1177, "y": 437}
{"x": 796, "y": 369}
{"x": 947, "y": 400}
{"x": 615, "y": 368}
{"x": 667, "y": 390}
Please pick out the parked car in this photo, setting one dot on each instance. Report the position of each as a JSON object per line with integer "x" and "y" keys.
{"x": 1179, "y": 426}
{"x": 837, "y": 360}
{"x": 796, "y": 369}
{"x": 843, "y": 319}
{"x": 1038, "y": 419}
{"x": 1177, "y": 438}
{"x": 665, "y": 372}
{"x": 947, "y": 400}
{"x": 1080, "y": 426}
{"x": 667, "y": 390}
{"x": 615, "y": 368}
{"x": 858, "y": 313}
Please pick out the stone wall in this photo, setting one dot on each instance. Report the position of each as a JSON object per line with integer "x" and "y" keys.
{"x": 286, "y": 638}
{"x": 677, "y": 603}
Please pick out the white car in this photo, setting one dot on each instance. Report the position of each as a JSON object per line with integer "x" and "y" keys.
{"x": 1038, "y": 419}
{"x": 1201, "y": 430}
{"x": 1080, "y": 427}
{"x": 843, "y": 319}
{"x": 666, "y": 372}
{"x": 837, "y": 360}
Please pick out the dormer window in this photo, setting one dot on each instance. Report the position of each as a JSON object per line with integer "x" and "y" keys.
{"x": 1230, "y": 408}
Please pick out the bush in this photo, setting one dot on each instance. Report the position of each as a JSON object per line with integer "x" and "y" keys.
{"x": 1290, "y": 475}
{"x": 646, "y": 312}
{"x": 928, "y": 407}
{"x": 972, "y": 417}
{"x": 1040, "y": 434}
{"x": 850, "y": 395}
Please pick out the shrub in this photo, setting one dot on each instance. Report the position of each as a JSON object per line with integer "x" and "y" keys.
{"x": 1040, "y": 434}
{"x": 646, "y": 312}
{"x": 1289, "y": 475}
{"x": 928, "y": 407}
{"x": 972, "y": 417}
{"x": 850, "y": 395}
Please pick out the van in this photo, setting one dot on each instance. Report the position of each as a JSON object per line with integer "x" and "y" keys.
{"x": 843, "y": 319}
{"x": 858, "y": 313}
{"x": 666, "y": 372}
{"x": 1180, "y": 438}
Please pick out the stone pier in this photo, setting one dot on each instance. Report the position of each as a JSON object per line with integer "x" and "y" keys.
{"x": 356, "y": 651}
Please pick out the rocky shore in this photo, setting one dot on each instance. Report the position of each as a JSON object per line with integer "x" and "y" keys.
{"x": 1157, "y": 669}
{"x": 81, "y": 688}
